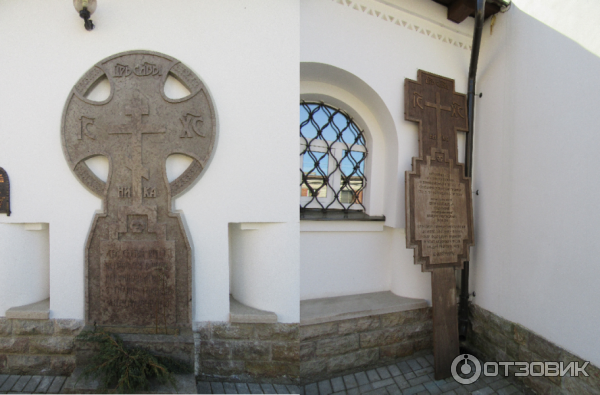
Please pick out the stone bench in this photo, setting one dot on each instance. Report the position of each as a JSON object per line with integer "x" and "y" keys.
{"x": 350, "y": 333}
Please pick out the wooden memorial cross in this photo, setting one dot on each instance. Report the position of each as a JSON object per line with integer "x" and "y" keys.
{"x": 439, "y": 210}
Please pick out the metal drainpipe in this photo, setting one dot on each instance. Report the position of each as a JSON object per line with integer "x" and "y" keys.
{"x": 463, "y": 310}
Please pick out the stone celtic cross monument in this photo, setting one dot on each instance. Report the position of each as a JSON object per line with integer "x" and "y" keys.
{"x": 138, "y": 257}
{"x": 439, "y": 209}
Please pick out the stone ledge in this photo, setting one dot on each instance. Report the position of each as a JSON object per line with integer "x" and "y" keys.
{"x": 317, "y": 311}
{"x": 242, "y": 313}
{"x": 34, "y": 311}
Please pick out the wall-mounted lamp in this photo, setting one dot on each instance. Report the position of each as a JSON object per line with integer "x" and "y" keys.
{"x": 86, "y": 8}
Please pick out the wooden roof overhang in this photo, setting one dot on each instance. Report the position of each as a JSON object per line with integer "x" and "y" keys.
{"x": 459, "y": 10}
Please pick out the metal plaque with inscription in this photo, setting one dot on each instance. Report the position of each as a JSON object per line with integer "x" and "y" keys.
{"x": 4, "y": 193}
{"x": 439, "y": 209}
{"x": 138, "y": 257}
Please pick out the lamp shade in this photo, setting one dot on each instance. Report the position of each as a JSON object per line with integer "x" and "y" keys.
{"x": 90, "y": 4}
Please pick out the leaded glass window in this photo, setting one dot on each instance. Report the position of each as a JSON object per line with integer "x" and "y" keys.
{"x": 333, "y": 154}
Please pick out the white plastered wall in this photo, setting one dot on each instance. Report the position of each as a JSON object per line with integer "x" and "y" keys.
{"x": 25, "y": 268}
{"x": 374, "y": 45}
{"x": 535, "y": 261}
{"x": 252, "y": 75}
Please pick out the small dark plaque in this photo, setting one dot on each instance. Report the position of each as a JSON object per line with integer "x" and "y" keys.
{"x": 439, "y": 210}
{"x": 138, "y": 257}
{"x": 4, "y": 193}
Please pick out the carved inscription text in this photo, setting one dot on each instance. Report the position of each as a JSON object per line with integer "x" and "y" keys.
{"x": 138, "y": 255}
{"x": 439, "y": 219}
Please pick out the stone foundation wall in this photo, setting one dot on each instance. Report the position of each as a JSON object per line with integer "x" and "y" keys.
{"x": 492, "y": 338}
{"x": 43, "y": 347}
{"x": 247, "y": 352}
{"x": 338, "y": 347}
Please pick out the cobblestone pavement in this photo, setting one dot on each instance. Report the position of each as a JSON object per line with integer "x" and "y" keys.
{"x": 10, "y": 384}
{"x": 205, "y": 387}
{"x": 409, "y": 376}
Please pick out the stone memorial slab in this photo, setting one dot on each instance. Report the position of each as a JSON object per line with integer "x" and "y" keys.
{"x": 4, "y": 193}
{"x": 439, "y": 208}
{"x": 138, "y": 257}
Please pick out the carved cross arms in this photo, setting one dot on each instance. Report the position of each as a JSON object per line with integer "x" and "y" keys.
{"x": 440, "y": 112}
{"x": 130, "y": 128}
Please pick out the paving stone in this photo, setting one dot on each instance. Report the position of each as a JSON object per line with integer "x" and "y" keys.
{"x": 292, "y": 389}
{"x": 203, "y": 387}
{"x": 353, "y": 391}
{"x": 311, "y": 389}
{"x": 496, "y": 385}
{"x": 423, "y": 362}
{"x": 461, "y": 391}
{"x": 475, "y": 386}
{"x": 338, "y": 384}
{"x": 56, "y": 385}
{"x": 268, "y": 389}
{"x": 414, "y": 365}
{"x": 451, "y": 392}
{"x": 404, "y": 368}
{"x": 439, "y": 383}
{"x": 44, "y": 384}
{"x": 373, "y": 375}
{"x": 382, "y": 383}
{"x": 511, "y": 389}
{"x": 413, "y": 390}
{"x": 361, "y": 378}
{"x": 20, "y": 384}
{"x": 449, "y": 386}
{"x": 401, "y": 382}
{"x": 242, "y": 388}
{"x": 325, "y": 387}
{"x": 256, "y": 389}
{"x": 418, "y": 380}
{"x": 365, "y": 388}
{"x": 229, "y": 388}
{"x": 339, "y": 393}
{"x": 350, "y": 381}
{"x": 490, "y": 379}
{"x": 393, "y": 369}
{"x": 409, "y": 375}
{"x": 9, "y": 382}
{"x": 32, "y": 384}
{"x": 3, "y": 378}
{"x": 378, "y": 391}
{"x": 384, "y": 373}
{"x": 432, "y": 388}
{"x": 281, "y": 389}
{"x": 393, "y": 390}
{"x": 484, "y": 391}
{"x": 217, "y": 388}
{"x": 429, "y": 358}
{"x": 423, "y": 371}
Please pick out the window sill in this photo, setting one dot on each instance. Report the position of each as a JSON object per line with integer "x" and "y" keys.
{"x": 337, "y": 215}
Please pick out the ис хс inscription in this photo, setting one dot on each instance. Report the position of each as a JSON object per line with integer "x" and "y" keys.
{"x": 138, "y": 257}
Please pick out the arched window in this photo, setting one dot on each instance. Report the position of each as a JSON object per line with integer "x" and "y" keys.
{"x": 333, "y": 154}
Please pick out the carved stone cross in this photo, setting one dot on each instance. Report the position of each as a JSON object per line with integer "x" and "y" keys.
{"x": 138, "y": 257}
{"x": 439, "y": 210}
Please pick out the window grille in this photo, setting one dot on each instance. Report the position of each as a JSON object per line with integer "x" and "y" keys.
{"x": 333, "y": 154}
